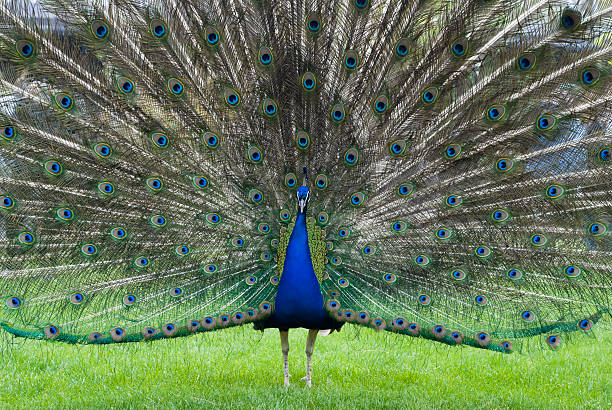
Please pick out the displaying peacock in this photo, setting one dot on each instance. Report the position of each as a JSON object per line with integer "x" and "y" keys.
{"x": 435, "y": 168}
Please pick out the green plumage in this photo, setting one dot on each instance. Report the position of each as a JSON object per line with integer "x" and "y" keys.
{"x": 458, "y": 156}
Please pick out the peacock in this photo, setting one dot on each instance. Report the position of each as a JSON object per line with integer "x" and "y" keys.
{"x": 434, "y": 168}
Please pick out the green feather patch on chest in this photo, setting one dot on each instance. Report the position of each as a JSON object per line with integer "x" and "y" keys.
{"x": 316, "y": 243}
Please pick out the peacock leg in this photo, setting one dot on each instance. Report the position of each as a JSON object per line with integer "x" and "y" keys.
{"x": 284, "y": 335}
{"x": 312, "y": 336}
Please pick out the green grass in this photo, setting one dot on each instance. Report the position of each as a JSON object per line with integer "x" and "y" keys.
{"x": 357, "y": 368}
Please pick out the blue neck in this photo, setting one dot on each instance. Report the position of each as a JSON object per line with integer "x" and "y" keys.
{"x": 299, "y": 302}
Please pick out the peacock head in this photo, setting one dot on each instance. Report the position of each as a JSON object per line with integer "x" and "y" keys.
{"x": 303, "y": 195}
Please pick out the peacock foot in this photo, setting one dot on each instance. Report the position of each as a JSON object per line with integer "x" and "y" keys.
{"x": 307, "y": 380}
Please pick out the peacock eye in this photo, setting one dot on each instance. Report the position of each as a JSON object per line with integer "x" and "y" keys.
{"x": 546, "y": 122}
{"x": 103, "y": 150}
{"x": 99, "y": 29}
{"x": 175, "y": 86}
{"x": 290, "y": 180}
{"x": 265, "y": 56}
{"x": 160, "y": 139}
{"x": 158, "y": 28}
{"x": 351, "y": 156}
{"x": 25, "y": 48}
{"x": 254, "y": 155}
{"x": 430, "y": 95}
{"x": 142, "y": 262}
{"x": 313, "y": 23}
{"x": 397, "y": 147}
{"x": 351, "y": 60}
{"x": 126, "y": 86}
{"x": 269, "y": 107}
{"x": 212, "y": 36}
{"x": 231, "y": 96}
{"x": 309, "y": 81}
{"x": 459, "y": 47}
{"x": 526, "y": 62}
{"x": 338, "y": 113}
{"x": 381, "y": 104}
{"x": 401, "y": 48}
{"x": 590, "y": 76}
{"x": 200, "y": 182}
{"x": 570, "y": 19}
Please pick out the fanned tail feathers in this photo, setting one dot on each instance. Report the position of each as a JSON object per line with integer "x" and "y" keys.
{"x": 458, "y": 152}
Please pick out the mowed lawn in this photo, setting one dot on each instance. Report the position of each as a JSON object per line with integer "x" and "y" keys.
{"x": 356, "y": 368}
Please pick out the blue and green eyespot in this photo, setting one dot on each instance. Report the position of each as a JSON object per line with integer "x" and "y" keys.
{"x": 351, "y": 60}
{"x": 265, "y": 56}
{"x": 255, "y": 196}
{"x": 482, "y": 251}
{"x": 269, "y": 108}
{"x": 453, "y": 201}
{"x": 526, "y": 61}
{"x": 590, "y": 76}
{"x": 100, "y": 29}
{"x": 598, "y": 229}
{"x": 500, "y": 215}
{"x": 7, "y": 202}
{"x": 351, "y": 156}
{"x": 555, "y": 191}
{"x": 210, "y": 139}
{"x": 125, "y": 85}
{"x": 546, "y": 122}
{"x": 397, "y": 147}
{"x": 158, "y": 28}
{"x": 118, "y": 233}
{"x": 422, "y": 260}
{"x": 309, "y": 81}
{"x": 142, "y": 262}
{"x": 158, "y": 221}
{"x": 401, "y": 48}
{"x": 514, "y": 274}
{"x": 103, "y": 150}
{"x": 368, "y": 249}
{"x": 25, "y": 48}
{"x": 53, "y": 167}
{"x": 302, "y": 139}
{"x": 430, "y": 95}
{"x": 452, "y": 151}
{"x": 160, "y": 139}
{"x": 496, "y": 112}
{"x": 212, "y": 36}
{"x": 570, "y": 19}
{"x": 459, "y": 47}
{"x": 89, "y": 249}
{"x": 154, "y": 183}
{"x": 290, "y": 180}
{"x": 175, "y": 86}
{"x": 381, "y": 104}
{"x": 182, "y": 250}
{"x": 254, "y": 155}
{"x": 65, "y": 214}
{"x": 8, "y": 132}
{"x": 358, "y": 199}
{"x": 313, "y": 23}
{"x": 321, "y": 181}
{"x": 64, "y": 101}
{"x": 399, "y": 226}
{"x": 405, "y": 189}
{"x": 338, "y": 113}
{"x": 26, "y": 238}
{"x": 200, "y": 182}
{"x": 231, "y": 97}
{"x": 504, "y": 165}
{"x": 106, "y": 188}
